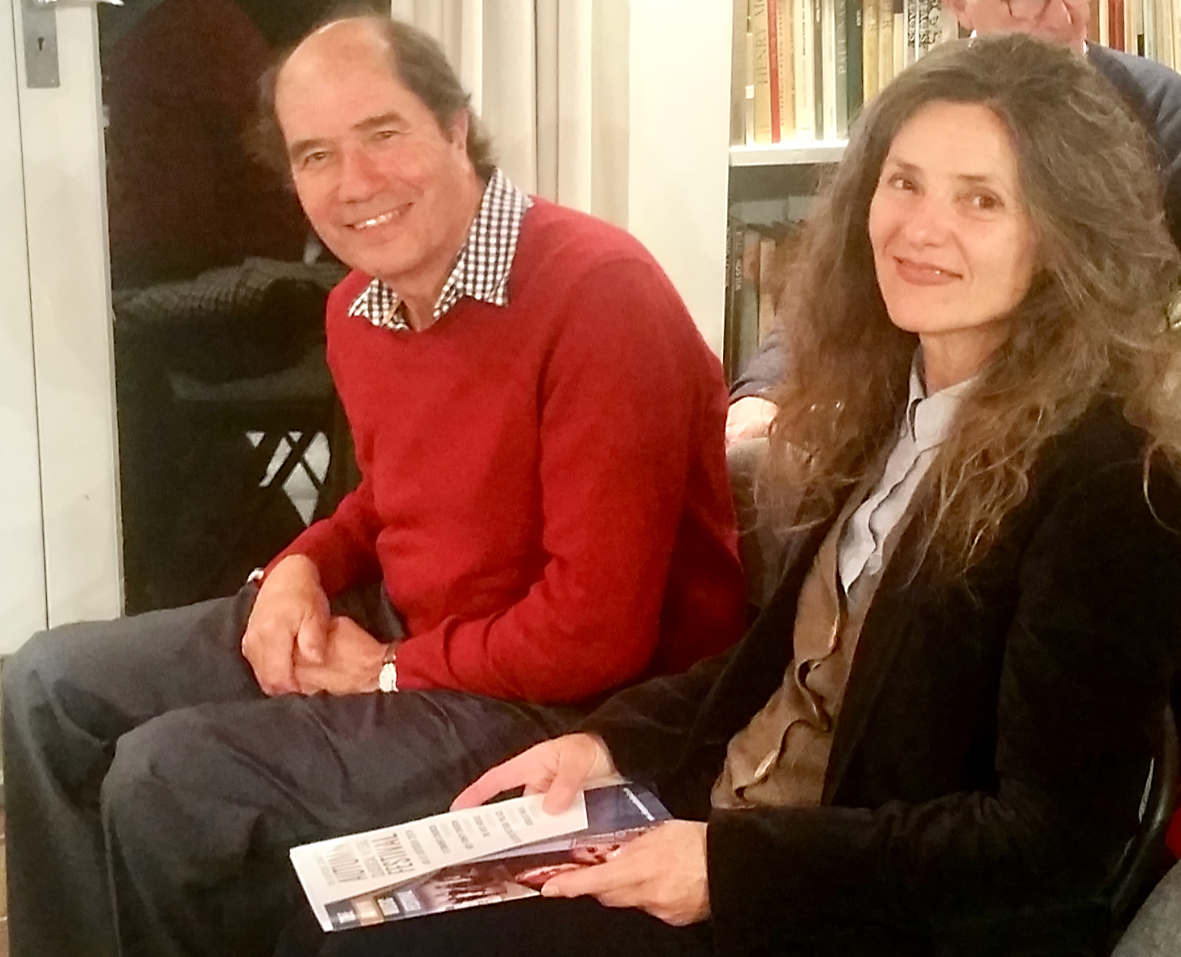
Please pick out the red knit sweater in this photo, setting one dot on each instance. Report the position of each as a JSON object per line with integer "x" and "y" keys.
{"x": 544, "y": 485}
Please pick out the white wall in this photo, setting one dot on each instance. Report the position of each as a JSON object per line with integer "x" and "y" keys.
{"x": 59, "y": 525}
{"x": 65, "y": 193}
{"x": 22, "y": 563}
{"x": 679, "y": 128}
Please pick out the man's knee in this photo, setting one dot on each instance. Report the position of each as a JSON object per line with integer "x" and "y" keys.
{"x": 177, "y": 796}
{"x": 151, "y": 796}
{"x": 157, "y": 763}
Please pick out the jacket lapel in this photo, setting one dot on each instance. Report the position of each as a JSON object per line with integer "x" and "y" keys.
{"x": 882, "y": 634}
{"x": 756, "y": 669}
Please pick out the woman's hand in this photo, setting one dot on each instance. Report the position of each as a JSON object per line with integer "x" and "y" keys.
{"x": 559, "y": 768}
{"x": 662, "y": 872}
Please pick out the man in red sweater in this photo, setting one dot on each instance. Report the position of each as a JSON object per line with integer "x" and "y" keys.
{"x": 543, "y": 516}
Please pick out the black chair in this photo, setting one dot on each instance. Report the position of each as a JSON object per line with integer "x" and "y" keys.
{"x": 760, "y": 547}
{"x": 1143, "y": 861}
{"x": 205, "y": 366}
{"x": 283, "y": 412}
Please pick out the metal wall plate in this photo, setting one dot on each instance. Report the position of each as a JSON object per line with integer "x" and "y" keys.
{"x": 40, "y": 29}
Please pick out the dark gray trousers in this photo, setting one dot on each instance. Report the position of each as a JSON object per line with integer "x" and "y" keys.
{"x": 152, "y": 790}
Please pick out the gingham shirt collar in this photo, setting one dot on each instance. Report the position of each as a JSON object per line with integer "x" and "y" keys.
{"x": 481, "y": 270}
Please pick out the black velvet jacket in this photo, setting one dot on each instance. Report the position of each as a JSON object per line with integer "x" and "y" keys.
{"x": 994, "y": 742}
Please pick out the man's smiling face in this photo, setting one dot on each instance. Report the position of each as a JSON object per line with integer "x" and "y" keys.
{"x": 386, "y": 189}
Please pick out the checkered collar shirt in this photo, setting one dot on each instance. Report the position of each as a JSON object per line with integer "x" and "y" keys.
{"x": 481, "y": 270}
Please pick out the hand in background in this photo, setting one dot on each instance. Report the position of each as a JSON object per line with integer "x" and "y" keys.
{"x": 559, "y": 768}
{"x": 662, "y": 872}
{"x": 350, "y": 663}
{"x": 749, "y": 418}
{"x": 290, "y": 612}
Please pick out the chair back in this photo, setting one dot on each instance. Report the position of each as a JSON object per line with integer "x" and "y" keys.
{"x": 760, "y": 549}
{"x": 1141, "y": 861}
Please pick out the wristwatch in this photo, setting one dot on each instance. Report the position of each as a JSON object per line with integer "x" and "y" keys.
{"x": 387, "y": 677}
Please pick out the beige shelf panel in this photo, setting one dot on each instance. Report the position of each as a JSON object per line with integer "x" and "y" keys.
{"x": 789, "y": 153}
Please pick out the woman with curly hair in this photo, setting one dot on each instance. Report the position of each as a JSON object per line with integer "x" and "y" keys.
{"x": 936, "y": 737}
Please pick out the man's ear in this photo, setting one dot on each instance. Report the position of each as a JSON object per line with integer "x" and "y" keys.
{"x": 458, "y": 131}
{"x": 962, "y": 14}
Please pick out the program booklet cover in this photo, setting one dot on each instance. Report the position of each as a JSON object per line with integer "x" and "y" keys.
{"x": 485, "y": 855}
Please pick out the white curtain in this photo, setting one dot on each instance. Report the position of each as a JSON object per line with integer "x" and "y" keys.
{"x": 549, "y": 78}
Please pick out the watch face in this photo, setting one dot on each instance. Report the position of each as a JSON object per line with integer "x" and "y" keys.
{"x": 387, "y": 678}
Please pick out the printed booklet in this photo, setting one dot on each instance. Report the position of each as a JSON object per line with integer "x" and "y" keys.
{"x": 484, "y": 855}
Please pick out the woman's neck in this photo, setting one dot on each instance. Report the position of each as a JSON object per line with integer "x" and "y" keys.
{"x": 951, "y": 358}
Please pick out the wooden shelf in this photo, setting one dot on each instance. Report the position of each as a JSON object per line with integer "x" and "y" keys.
{"x": 790, "y": 153}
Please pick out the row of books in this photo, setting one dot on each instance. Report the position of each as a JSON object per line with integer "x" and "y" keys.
{"x": 1150, "y": 28}
{"x": 802, "y": 68}
{"x": 756, "y": 256}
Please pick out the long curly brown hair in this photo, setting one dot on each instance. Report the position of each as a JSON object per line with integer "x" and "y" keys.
{"x": 1094, "y": 322}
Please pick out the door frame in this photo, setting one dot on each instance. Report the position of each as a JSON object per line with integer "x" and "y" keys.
{"x": 67, "y": 313}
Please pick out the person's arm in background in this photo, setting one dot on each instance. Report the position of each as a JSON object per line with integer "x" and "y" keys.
{"x": 1153, "y": 92}
{"x": 1162, "y": 90}
{"x": 750, "y": 413}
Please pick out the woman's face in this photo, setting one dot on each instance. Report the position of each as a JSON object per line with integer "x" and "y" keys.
{"x": 953, "y": 247}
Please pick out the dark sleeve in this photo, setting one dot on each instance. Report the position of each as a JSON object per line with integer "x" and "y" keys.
{"x": 1164, "y": 98}
{"x": 645, "y": 727}
{"x": 765, "y": 369}
{"x": 1084, "y": 678}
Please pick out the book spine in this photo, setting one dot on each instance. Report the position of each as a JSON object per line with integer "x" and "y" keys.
{"x": 899, "y": 36}
{"x": 733, "y": 305}
{"x": 749, "y": 113}
{"x": 762, "y": 70}
{"x": 912, "y": 33}
{"x": 927, "y": 28}
{"x": 785, "y": 29}
{"x": 767, "y": 291}
{"x": 854, "y": 33}
{"x": 1175, "y": 19}
{"x": 738, "y": 74}
{"x": 1165, "y": 19}
{"x": 869, "y": 50}
{"x": 885, "y": 42}
{"x": 748, "y": 316}
{"x": 841, "y": 55}
{"x": 819, "y": 53}
{"x": 805, "y": 97}
{"x": 829, "y": 47}
{"x": 773, "y": 68}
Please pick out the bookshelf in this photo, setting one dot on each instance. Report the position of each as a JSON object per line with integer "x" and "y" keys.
{"x": 790, "y": 153}
{"x": 800, "y": 69}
